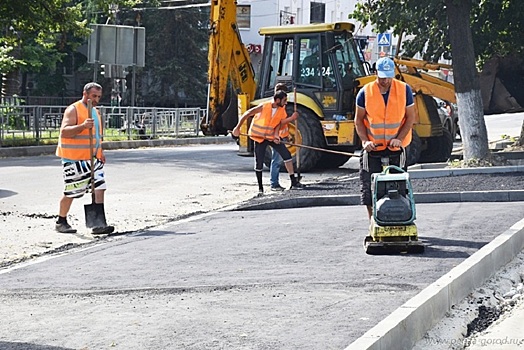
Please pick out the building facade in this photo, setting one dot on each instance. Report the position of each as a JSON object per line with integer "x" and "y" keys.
{"x": 253, "y": 14}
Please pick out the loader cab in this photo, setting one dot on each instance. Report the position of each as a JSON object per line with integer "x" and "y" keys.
{"x": 322, "y": 61}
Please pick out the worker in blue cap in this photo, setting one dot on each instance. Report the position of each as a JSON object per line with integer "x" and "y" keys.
{"x": 384, "y": 120}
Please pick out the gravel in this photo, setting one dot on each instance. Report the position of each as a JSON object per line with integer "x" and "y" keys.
{"x": 350, "y": 184}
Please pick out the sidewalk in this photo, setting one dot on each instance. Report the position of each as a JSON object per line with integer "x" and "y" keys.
{"x": 110, "y": 145}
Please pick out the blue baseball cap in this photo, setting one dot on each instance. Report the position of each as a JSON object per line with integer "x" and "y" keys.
{"x": 385, "y": 68}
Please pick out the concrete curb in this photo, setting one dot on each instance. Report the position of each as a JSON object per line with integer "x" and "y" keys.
{"x": 408, "y": 324}
{"x": 415, "y": 172}
{"x": 354, "y": 199}
{"x": 435, "y": 170}
{"x": 31, "y": 151}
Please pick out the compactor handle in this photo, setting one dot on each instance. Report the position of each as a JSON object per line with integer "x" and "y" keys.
{"x": 386, "y": 171}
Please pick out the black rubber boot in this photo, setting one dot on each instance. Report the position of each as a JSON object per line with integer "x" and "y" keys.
{"x": 259, "y": 180}
{"x": 295, "y": 183}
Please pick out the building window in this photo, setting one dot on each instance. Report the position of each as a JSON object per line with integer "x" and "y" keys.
{"x": 317, "y": 12}
{"x": 244, "y": 16}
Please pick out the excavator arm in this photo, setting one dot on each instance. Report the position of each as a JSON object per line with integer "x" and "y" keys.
{"x": 230, "y": 70}
{"x": 425, "y": 83}
{"x": 436, "y": 140}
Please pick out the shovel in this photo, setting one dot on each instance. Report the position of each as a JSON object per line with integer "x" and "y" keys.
{"x": 95, "y": 215}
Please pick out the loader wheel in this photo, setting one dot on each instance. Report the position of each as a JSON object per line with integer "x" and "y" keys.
{"x": 309, "y": 134}
{"x": 438, "y": 149}
{"x": 414, "y": 149}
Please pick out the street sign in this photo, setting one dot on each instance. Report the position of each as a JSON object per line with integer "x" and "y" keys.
{"x": 384, "y": 39}
{"x": 117, "y": 45}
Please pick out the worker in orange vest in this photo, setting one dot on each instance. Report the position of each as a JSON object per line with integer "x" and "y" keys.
{"x": 74, "y": 149}
{"x": 384, "y": 121}
{"x": 269, "y": 118}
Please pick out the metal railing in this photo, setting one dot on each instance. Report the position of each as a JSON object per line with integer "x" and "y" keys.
{"x": 26, "y": 125}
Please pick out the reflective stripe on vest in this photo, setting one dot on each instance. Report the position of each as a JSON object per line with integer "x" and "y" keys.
{"x": 384, "y": 122}
{"x": 264, "y": 124}
{"x": 77, "y": 147}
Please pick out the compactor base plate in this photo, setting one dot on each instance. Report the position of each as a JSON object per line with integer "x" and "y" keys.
{"x": 384, "y": 240}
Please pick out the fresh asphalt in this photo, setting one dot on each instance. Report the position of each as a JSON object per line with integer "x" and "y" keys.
{"x": 286, "y": 279}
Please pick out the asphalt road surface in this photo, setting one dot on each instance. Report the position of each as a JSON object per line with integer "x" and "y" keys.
{"x": 146, "y": 188}
{"x": 281, "y": 279}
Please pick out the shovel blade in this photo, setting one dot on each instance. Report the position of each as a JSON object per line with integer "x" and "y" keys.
{"x": 95, "y": 215}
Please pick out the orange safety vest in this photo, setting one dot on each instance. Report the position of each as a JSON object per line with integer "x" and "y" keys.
{"x": 284, "y": 131}
{"x": 383, "y": 122}
{"x": 77, "y": 147}
{"x": 264, "y": 124}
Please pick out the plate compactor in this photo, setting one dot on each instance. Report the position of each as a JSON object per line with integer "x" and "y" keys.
{"x": 392, "y": 229}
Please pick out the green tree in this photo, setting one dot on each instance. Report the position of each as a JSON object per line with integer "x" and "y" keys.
{"x": 176, "y": 56}
{"x": 462, "y": 30}
{"x": 496, "y": 25}
{"x": 34, "y": 32}
{"x": 37, "y": 35}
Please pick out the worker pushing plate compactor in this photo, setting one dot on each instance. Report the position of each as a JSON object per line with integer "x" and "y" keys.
{"x": 392, "y": 228}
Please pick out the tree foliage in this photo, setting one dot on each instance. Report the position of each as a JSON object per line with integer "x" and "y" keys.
{"x": 176, "y": 56}
{"x": 43, "y": 39}
{"x": 35, "y": 35}
{"x": 452, "y": 29}
{"x": 496, "y": 25}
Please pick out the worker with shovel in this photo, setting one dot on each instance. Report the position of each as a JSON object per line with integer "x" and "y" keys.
{"x": 80, "y": 147}
{"x": 269, "y": 117}
{"x": 276, "y": 159}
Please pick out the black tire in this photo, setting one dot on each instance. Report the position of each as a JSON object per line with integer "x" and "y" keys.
{"x": 449, "y": 125}
{"x": 438, "y": 148}
{"x": 310, "y": 134}
{"x": 414, "y": 149}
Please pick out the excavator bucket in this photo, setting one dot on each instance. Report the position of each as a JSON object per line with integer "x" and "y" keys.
{"x": 500, "y": 85}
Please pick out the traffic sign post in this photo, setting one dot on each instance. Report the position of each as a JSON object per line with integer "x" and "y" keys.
{"x": 384, "y": 39}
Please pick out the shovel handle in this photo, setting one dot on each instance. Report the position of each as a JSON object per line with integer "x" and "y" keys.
{"x": 313, "y": 148}
{"x": 91, "y": 155}
{"x": 296, "y": 129}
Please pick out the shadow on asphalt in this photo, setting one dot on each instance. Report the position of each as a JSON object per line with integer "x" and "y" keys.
{"x": 441, "y": 247}
{"x": 28, "y": 346}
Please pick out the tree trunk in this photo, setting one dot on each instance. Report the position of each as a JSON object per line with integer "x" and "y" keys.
{"x": 467, "y": 82}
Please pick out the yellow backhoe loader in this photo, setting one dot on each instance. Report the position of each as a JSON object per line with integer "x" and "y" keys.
{"x": 325, "y": 65}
